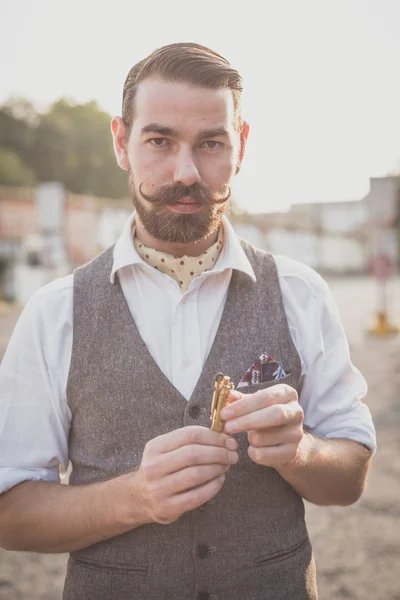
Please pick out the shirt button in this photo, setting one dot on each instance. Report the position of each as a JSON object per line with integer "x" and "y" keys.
{"x": 194, "y": 411}
{"x": 203, "y": 596}
{"x": 187, "y": 362}
{"x": 202, "y": 550}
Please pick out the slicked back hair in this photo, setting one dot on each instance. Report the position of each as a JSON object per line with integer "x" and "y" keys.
{"x": 183, "y": 62}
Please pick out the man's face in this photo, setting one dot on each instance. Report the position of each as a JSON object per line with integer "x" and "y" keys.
{"x": 182, "y": 153}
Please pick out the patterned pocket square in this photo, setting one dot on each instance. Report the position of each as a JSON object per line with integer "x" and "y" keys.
{"x": 264, "y": 369}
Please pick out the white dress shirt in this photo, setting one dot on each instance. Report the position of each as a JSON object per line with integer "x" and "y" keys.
{"x": 178, "y": 329}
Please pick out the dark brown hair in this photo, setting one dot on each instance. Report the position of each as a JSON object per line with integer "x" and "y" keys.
{"x": 183, "y": 62}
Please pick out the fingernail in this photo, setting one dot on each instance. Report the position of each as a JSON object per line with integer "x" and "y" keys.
{"x": 221, "y": 478}
{"x": 231, "y": 444}
{"x": 227, "y": 413}
{"x": 234, "y": 395}
{"x": 233, "y": 458}
{"x": 231, "y": 426}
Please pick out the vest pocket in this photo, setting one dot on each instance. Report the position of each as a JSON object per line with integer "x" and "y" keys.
{"x": 277, "y": 557}
{"x": 255, "y": 387}
{"x": 111, "y": 567}
{"x": 88, "y": 579}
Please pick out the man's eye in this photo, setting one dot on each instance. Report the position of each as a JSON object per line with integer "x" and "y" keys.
{"x": 159, "y": 142}
{"x": 212, "y": 144}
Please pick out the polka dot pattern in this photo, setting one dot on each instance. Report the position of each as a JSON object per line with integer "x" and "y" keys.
{"x": 182, "y": 269}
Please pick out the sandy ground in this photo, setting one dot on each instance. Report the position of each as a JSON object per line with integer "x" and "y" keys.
{"x": 357, "y": 549}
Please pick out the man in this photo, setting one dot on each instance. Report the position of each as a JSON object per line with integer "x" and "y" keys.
{"x": 113, "y": 368}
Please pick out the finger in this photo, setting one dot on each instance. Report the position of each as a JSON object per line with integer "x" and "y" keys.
{"x": 275, "y": 456}
{"x": 192, "y": 434}
{"x": 194, "y": 498}
{"x": 273, "y": 416}
{"x": 186, "y": 456}
{"x": 189, "y": 478}
{"x": 277, "y": 394}
{"x": 275, "y": 436}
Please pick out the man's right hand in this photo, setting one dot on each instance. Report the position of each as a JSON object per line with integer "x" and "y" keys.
{"x": 180, "y": 471}
{"x": 183, "y": 469}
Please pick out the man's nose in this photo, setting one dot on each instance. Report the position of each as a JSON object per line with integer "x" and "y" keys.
{"x": 186, "y": 171}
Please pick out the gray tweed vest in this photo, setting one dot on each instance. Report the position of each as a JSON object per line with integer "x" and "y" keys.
{"x": 250, "y": 542}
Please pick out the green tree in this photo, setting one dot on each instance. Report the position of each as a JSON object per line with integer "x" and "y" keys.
{"x": 69, "y": 142}
{"x": 13, "y": 171}
{"x": 74, "y": 146}
{"x": 17, "y": 130}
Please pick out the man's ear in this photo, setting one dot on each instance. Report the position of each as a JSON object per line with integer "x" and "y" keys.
{"x": 118, "y": 130}
{"x": 243, "y": 139}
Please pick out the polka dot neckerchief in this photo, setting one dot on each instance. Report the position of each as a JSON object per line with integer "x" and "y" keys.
{"x": 183, "y": 269}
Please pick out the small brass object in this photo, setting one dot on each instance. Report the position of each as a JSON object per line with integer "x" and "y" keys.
{"x": 222, "y": 389}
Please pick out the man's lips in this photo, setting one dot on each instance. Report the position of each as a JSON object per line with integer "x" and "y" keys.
{"x": 187, "y": 200}
{"x": 186, "y": 205}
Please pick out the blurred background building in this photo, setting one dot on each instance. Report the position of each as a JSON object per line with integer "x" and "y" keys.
{"x": 333, "y": 237}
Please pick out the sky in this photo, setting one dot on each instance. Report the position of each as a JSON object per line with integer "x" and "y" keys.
{"x": 321, "y": 78}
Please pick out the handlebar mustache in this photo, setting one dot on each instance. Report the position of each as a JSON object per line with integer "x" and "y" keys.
{"x": 171, "y": 194}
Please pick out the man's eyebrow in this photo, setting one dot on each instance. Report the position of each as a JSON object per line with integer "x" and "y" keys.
{"x": 160, "y": 129}
{"x": 211, "y": 133}
{"x": 169, "y": 132}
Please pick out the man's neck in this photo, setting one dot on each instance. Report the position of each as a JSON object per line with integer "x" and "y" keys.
{"x": 190, "y": 249}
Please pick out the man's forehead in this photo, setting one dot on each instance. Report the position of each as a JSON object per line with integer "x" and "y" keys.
{"x": 158, "y": 100}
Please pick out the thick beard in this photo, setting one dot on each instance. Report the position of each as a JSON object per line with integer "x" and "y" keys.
{"x": 167, "y": 226}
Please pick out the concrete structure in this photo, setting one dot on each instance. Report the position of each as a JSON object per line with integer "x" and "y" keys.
{"x": 21, "y": 254}
{"x": 334, "y": 217}
{"x": 338, "y": 237}
{"x": 332, "y": 237}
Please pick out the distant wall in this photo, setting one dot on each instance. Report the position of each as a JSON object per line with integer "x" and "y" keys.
{"x": 326, "y": 253}
{"x": 83, "y": 220}
{"x": 17, "y": 213}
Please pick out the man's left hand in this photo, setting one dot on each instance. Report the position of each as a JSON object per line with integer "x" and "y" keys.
{"x": 273, "y": 420}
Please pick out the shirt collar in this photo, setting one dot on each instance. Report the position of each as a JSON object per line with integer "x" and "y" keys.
{"x": 125, "y": 253}
{"x": 232, "y": 255}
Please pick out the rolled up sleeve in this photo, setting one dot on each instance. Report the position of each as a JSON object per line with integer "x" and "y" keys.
{"x": 33, "y": 429}
{"x": 333, "y": 389}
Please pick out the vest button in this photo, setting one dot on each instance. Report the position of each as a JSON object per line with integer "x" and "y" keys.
{"x": 202, "y": 550}
{"x": 194, "y": 411}
{"x": 203, "y": 596}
